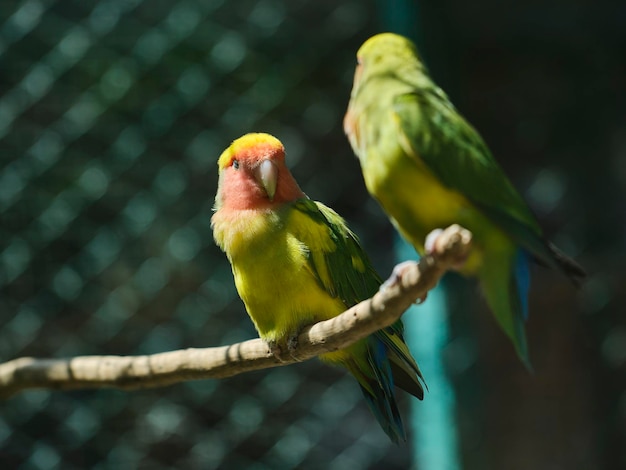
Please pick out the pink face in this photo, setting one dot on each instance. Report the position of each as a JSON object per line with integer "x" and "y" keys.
{"x": 256, "y": 177}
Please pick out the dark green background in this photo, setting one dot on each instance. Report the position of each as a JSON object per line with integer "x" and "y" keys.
{"x": 112, "y": 116}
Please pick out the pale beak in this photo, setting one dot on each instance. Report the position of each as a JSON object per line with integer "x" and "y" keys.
{"x": 267, "y": 175}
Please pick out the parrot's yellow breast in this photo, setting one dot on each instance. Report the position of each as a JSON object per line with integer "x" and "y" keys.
{"x": 419, "y": 203}
{"x": 272, "y": 274}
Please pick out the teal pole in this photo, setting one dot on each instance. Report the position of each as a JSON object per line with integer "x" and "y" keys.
{"x": 434, "y": 437}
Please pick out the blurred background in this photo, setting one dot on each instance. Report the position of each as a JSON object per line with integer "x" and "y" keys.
{"x": 112, "y": 116}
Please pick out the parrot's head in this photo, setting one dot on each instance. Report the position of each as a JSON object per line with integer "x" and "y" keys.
{"x": 253, "y": 174}
{"x": 385, "y": 54}
{"x": 385, "y": 61}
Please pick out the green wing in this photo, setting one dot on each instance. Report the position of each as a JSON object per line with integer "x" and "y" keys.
{"x": 335, "y": 255}
{"x": 345, "y": 271}
{"x": 432, "y": 130}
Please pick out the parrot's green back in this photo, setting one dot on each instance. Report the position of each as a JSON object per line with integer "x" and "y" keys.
{"x": 429, "y": 168}
{"x": 300, "y": 264}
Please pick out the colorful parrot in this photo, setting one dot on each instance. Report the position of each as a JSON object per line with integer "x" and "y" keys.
{"x": 429, "y": 168}
{"x": 295, "y": 262}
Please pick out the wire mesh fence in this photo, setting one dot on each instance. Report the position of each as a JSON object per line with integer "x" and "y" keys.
{"x": 112, "y": 116}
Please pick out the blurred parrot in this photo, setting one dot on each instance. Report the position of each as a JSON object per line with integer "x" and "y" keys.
{"x": 295, "y": 262}
{"x": 429, "y": 168}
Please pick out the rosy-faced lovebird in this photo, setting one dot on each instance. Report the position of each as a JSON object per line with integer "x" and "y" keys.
{"x": 429, "y": 168}
{"x": 295, "y": 262}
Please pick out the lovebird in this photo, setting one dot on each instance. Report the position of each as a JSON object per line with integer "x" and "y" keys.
{"x": 295, "y": 262}
{"x": 429, "y": 168}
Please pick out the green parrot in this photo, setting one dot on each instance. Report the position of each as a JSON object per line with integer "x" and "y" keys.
{"x": 429, "y": 168}
{"x": 295, "y": 262}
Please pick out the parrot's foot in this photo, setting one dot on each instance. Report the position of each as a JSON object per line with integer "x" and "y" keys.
{"x": 396, "y": 274}
{"x": 275, "y": 349}
{"x": 439, "y": 240}
{"x": 396, "y": 278}
{"x": 292, "y": 345}
{"x": 430, "y": 245}
{"x": 278, "y": 351}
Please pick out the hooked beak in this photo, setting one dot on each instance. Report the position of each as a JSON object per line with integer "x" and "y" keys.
{"x": 267, "y": 175}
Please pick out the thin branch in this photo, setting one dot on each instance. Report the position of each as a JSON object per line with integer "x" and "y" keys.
{"x": 410, "y": 281}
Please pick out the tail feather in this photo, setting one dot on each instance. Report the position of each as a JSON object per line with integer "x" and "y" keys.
{"x": 406, "y": 381}
{"x": 520, "y": 283}
{"x": 381, "y": 368}
{"x": 386, "y": 413}
{"x": 568, "y": 266}
{"x": 387, "y": 362}
{"x": 505, "y": 283}
{"x": 406, "y": 373}
{"x": 375, "y": 378}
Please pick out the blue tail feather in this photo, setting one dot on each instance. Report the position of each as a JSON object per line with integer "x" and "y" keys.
{"x": 379, "y": 390}
{"x": 519, "y": 300}
{"x": 505, "y": 281}
{"x": 522, "y": 279}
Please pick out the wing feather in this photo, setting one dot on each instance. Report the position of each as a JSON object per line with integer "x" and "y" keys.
{"x": 433, "y": 131}
{"x": 335, "y": 256}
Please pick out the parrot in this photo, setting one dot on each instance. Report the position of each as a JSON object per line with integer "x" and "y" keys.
{"x": 295, "y": 262}
{"x": 429, "y": 168}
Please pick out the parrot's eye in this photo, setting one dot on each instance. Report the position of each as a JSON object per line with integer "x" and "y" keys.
{"x": 236, "y": 164}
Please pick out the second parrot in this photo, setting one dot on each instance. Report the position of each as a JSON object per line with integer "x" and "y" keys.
{"x": 429, "y": 168}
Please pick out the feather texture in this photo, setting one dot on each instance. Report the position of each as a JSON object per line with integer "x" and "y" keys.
{"x": 295, "y": 262}
{"x": 429, "y": 168}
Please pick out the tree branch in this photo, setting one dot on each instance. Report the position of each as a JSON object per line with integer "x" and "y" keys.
{"x": 409, "y": 281}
